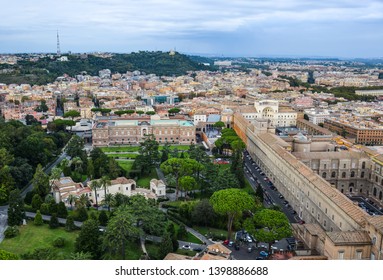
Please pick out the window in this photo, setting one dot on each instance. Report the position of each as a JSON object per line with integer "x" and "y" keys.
{"x": 374, "y": 192}
{"x": 362, "y": 174}
{"x": 358, "y": 255}
{"x": 343, "y": 174}
{"x": 380, "y": 195}
{"x": 340, "y": 255}
{"x": 363, "y": 165}
{"x": 352, "y": 174}
{"x": 324, "y": 223}
{"x": 333, "y": 174}
{"x": 324, "y": 175}
{"x": 344, "y": 165}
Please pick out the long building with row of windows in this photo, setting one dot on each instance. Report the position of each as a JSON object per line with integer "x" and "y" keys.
{"x": 315, "y": 178}
{"x": 133, "y": 131}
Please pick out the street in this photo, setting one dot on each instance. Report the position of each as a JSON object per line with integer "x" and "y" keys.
{"x": 271, "y": 196}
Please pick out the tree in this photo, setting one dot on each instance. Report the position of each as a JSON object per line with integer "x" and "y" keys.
{"x": 75, "y": 147}
{"x": 36, "y": 202}
{"x": 103, "y": 218}
{"x": 268, "y": 225}
{"x": 187, "y": 183}
{"x": 105, "y": 183}
{"x": 69, "y": 224}
{"x": 54, "y": 222}
{"x": 30, "y": 120}
{"x": 173, "y": 111}
{"x": 82, "y": 214}
{"x": 62, "y": 212}
{"x": 55, "y": 175}
{"x": 165, "y": 152}
{"x": 225, "y": 180}
{"x": 38, "y": 221}
{"x": 40, "y": 181}
{"x": 121, "y": 229}
{"x": 231, "y": 202}
{"x": 71, "y": 199}
{"x": 72, "y": 114}
{"x": 89, "y": 239}
{"x": 94, "y": 186}
{"x": 259, "y": 193}
{"x": 182, "y": 232}
{"x": 16, "y": 208}
{"x": 166, "y": 245}
{"x": 306, "y": 117}
{"x": 180, "y": 167}
{"x": 42, "y": 107}
{"x": 150, "y": 113}
{"x": 148, "y": 155}
{"x": 203, "y": 213}
{"x": 108, "y": 200}
{"x": 219, "y": 125}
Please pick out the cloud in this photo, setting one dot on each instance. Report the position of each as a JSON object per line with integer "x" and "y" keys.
{"x": 182, "y": 20}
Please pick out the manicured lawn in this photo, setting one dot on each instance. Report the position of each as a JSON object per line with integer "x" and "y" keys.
{"x": 125, "y": 164}
{"x": 120, "y": 149}
{"x": 32, "y": 237}
{"x": 189, "y": 253}
{"x": 123, "y": 155}
{"x": 189, "y": 238}
{"x": 136, "y": 148}
{"x": 144, "y": 182}
{"x": 208, "y": 231}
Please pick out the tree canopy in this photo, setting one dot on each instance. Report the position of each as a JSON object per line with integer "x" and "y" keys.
{"x": 231, "y": 202}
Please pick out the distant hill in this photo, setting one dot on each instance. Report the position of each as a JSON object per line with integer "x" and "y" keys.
{"x": 47, "y": 70}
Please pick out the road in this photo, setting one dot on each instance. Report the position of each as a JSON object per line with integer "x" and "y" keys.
{"x": 271, "y": 196}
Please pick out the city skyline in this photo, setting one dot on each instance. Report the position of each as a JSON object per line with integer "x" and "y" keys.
{"x": 345, "y": 29}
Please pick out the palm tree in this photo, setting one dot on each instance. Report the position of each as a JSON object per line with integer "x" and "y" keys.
{"x": 82, "y": 201}
{"x": 105, "y": 182}
{"x": 77, "y": 161}
{"x": 71, "y": 199}
{"x": 108, "y": 200}
{"x": 94, "y": 186}
{"x": 55, "y": 175}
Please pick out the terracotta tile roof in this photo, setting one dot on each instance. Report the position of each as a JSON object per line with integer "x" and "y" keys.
{"x": 349, "y": 237}
{"x": 122, "y": 180}
{"x": 346, "y": 205}
{"x": 314, "y": 229}
{"x": 173, "y": 256}
{"x": 309, "y": 258}
{"x": 377, "y": 222}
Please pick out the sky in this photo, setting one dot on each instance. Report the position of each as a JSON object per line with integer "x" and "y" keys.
{"x": 256, "y": 28}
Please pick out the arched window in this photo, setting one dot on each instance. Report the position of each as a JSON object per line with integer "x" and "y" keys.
{"x": 333, "y": 174}
{"x": 376, "y": 179}
{"x": 352, "y": 174}
{"x": 374, "y": 192}
{"x": 343, "y": 174}
{"x": 341, "y": 190}
{"x": 324, "y": 175}
{"x": 363, "y": 165}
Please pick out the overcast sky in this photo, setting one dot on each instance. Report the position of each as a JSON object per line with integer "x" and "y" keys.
{"x": 339, "y": 28}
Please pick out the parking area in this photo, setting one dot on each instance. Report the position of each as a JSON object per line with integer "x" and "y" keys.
{"x": 281, "y": 249}
{"x": 367, "y": 205}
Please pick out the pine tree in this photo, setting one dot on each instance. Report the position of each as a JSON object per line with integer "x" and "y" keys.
{"x": 15, "y": 209}
{"x": 38, "y": 221}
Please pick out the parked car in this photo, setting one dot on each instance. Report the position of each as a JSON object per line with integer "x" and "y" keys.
{"x": 263, "y": 254}
{"x": 231, "y": 243}
{"x": 301, "y": 222}
{"x": 186, "y": 247}
{"x": 226, "y": 242}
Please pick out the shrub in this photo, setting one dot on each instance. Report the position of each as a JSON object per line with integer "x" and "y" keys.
{"x": 4, "y": 255}
{"x": 69, "y": 225}
{"x": 11, "y": 232}
{"x": 38, "y": 221}
{"x": 54, "y": 222}
{"x": 59, "y": 242}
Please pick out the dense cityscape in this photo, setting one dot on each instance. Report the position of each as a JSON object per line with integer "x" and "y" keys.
{"x": 166, "y": 156}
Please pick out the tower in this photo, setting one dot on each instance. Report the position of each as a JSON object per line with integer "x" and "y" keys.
{"x": 58, "y": 44}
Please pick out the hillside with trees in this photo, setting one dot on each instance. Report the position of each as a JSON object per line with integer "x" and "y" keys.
{"x": 47, "y": 69}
